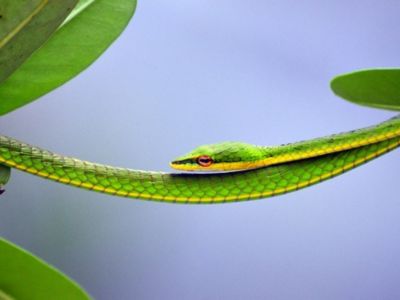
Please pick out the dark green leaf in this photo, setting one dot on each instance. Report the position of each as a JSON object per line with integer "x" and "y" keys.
{"x": 378, "y": 88}
{"x": 5, "y": 173}
{"x": 24, "y": 276}
{"x": 24, "y": 26}
{"x": 87, "y": 33}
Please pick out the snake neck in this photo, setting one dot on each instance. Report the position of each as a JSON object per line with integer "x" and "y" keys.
{"x": 329, "y": 144}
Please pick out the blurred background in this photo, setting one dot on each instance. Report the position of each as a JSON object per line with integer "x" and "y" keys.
{"x": 185, "y": 73}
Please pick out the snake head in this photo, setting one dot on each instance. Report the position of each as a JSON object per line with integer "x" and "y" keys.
{"x": 227, "y": 156}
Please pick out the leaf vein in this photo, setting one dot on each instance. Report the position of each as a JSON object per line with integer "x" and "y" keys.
{"x": 21, "y": 25}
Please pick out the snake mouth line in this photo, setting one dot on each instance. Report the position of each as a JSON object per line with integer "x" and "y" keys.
{"x": 181, "y": 162}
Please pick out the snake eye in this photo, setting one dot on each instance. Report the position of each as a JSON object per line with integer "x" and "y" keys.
{"x": 204, "y": 161}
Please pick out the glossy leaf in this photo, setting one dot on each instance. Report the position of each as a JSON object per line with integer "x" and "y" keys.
{"x": 24, "y": 26}
{"x": 378, "y": 88}
{"x": 24, "y": 276}
{"x": 87, "y": 33}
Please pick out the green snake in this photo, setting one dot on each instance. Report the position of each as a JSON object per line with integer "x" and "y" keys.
{"x": 244, "y": 171}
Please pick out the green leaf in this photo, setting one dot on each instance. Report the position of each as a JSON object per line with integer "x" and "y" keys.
{"x": 5, "y": 173}
{"x": 378, "y": 88}
{"x": 24, "y": 26}
{"x": 87, "y": 33}
{"x": 24, "y": 276}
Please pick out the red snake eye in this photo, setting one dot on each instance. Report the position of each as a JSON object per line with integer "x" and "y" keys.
{"x": 204, "y": 161}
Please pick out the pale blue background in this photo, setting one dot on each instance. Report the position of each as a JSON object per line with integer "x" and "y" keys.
{"x": 186, "y": 73}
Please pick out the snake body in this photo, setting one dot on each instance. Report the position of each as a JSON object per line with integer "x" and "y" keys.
{"x": 274, "y": 170}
